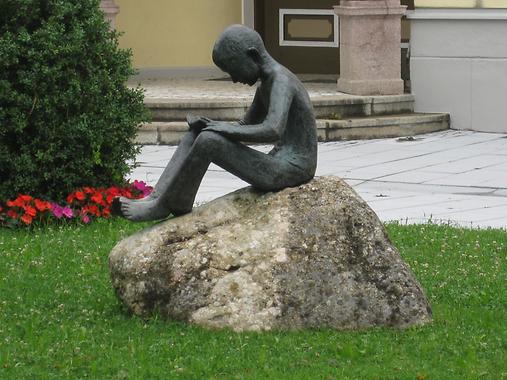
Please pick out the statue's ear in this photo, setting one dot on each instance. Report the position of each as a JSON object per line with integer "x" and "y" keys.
{"x": 254, "y": 54}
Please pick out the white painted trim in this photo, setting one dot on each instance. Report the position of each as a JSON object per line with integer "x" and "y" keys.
{"x": 457, "y": 14}
{"x": 283, "y": 42}
{"x": 248, "y": 13}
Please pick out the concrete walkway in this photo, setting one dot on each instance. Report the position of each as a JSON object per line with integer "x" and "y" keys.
{"x": 221, "y": 88}
{"x": 453, "y": 176}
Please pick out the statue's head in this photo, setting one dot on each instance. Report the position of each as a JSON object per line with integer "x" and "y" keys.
{"x": 238, "y": 52}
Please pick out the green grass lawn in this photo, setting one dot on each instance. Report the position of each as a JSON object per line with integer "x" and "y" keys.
{"x": 59, "y": 318}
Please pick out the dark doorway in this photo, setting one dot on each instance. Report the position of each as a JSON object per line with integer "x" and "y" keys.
{"x": 306, "y": 44}
{"x": 303, "y": 31}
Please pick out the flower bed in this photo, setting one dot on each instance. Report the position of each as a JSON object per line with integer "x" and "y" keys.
{"x": 81, "y": 205}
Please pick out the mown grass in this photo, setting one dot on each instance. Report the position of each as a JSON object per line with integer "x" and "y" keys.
{"x": 59, "y": 318}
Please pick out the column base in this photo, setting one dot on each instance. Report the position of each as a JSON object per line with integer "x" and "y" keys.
{"x": 371, "y": 87}
{"x": 110, "y": 10}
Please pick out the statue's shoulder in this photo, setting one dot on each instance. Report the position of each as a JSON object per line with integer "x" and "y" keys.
{"x": 284, "y": 77}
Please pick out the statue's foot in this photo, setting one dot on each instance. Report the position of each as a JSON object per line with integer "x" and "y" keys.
{"x": 139, "y": 211}
{"x": 148, "y": 198}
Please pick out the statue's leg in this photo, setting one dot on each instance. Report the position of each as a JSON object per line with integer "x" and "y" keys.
{"x": 172, "y": 167}
{"x": 261, "y": 170}
{"x": 158, "y": 205}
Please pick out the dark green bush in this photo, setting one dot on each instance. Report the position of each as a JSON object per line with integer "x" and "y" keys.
{"x": 67, "y": 118}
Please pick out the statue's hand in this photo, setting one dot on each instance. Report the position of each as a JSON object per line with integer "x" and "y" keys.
{"x": 218, "y": 126}
{"x": 197, "y": 123}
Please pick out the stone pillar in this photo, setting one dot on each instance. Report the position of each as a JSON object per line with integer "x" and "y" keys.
{"x": 370, "y": 55}
{"x": 110, "y": 10}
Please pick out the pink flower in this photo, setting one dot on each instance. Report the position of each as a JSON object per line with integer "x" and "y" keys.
{"x": 142, "y": 187}
{"x": 67, "y": 212}
{"x": 93, "y": 202}
{"x": 85, "y": 218}
{"x": 57, "y": 210}
{"x": 139, "y": 185}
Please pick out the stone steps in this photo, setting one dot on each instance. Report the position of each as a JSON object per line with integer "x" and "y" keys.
{"x": 169, "y": 110}
{"x": 364, "y": 128}
{"x": 352, "y": 128}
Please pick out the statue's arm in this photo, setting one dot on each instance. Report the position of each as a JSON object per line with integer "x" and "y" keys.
{"x": 197, "y": 123}
{"x": 255, "y": 112}
{"x": 268, "y": 130}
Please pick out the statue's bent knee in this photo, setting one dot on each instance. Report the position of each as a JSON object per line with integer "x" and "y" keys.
{"x": 208, "y": 141}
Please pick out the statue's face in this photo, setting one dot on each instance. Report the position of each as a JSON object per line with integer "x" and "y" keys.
{"x": 241, "y": 68}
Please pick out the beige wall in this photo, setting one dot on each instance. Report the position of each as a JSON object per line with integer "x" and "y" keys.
{"x": 174, "y": 33}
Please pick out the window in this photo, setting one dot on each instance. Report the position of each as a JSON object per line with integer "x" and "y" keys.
{"x": 309, "y": 27}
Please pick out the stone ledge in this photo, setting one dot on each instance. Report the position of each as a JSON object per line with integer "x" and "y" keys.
{"x": 346, "y": 105}
{"x": 170, "y": 133}
{"x": 196, "y": 103}
{"x": 382, "y": 127}
{"x": 371, "y": 86}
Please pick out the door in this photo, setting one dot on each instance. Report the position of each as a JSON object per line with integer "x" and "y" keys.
{"x": 300, "y": 34}
{"x": 303, "y": 34}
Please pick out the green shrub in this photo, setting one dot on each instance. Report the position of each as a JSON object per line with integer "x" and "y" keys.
{"x": 67, "y": 119}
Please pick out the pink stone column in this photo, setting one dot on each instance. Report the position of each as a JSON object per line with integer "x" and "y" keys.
{"x": 370, "y": 55}
{"x": 110, "y": 10}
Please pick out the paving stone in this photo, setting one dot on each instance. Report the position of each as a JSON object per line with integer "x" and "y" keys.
{"x": 409, "y": 187}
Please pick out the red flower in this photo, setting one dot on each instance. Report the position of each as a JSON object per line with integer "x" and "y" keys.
{"x": 41, "y": 205}
{"x": 83, "y": 202}
{"x": 27, "y": 219}
{"x": 79, "y": 195}
{"x": 114, "y": 191}
{"x": 29, "y": 210}
{"x": 94, "y": 210}
{"x": 18, "y": 202}
{"x": 98, "y": 198}
{"x": 111, "y": 193}
{"x": 12, "y": 214}
{"x": 25, "y": 198}
{"x": 127, "y": 193}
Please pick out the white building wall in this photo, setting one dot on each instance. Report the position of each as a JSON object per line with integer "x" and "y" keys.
{"x": 459, "y": 65}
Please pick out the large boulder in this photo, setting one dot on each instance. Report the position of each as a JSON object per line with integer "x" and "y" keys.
{"x": 306, "y": 257}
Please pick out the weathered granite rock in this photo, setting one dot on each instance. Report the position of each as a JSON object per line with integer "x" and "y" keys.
{"x": 307, "y": 257}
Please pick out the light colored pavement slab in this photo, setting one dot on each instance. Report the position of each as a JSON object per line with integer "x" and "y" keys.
{"x": 455, "y": 177}
{"x": 222, "y": 88}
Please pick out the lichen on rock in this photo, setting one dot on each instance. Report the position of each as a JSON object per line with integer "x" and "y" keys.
{"x": 312, "y": 256}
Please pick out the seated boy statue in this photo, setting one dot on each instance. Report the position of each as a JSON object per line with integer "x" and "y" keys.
{"x": 281, "y": 113}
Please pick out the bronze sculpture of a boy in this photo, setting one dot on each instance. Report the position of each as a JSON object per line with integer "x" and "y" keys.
{"x": 281, "y": 113}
